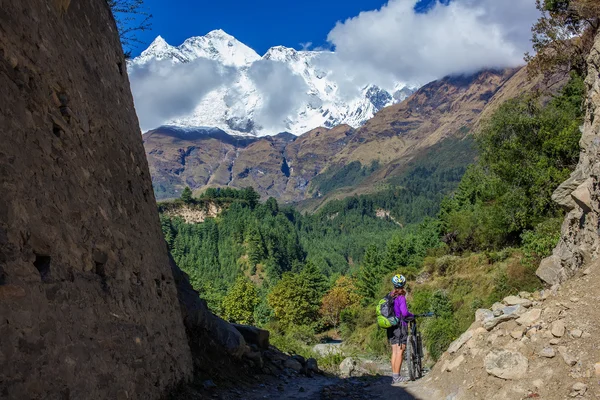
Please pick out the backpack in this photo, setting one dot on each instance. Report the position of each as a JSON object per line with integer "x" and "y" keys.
{"x": 386, "y": 317}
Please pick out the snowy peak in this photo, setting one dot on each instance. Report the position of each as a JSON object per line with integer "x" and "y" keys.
{"x": 285, "y": 90}
{"x": 219, "y": 46}
{"x": 216, "y": 45}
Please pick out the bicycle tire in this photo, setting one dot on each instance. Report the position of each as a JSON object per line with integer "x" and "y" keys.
{"x": 410, "y": 359}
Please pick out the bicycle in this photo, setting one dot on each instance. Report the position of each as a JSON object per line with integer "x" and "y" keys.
{"x": 414, "y": 348}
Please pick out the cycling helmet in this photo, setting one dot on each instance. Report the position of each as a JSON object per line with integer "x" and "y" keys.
{"x": 399, "y": 281}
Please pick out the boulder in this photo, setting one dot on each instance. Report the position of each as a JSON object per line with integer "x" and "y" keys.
{"x": 578, "y": 389}
{"x": 576, "y": 333}
{"x": 550, "y": 270}
{"x": 254, "y": 335}
{"x": 547, "y": 352}
{"x": 562, "y": 194}
{"x": 517, "y": 310}
{"x": 325, "y": 349}
{"x": 582, "y": 196}
{"x": 352, "y": 367}
{"x": 506, "y": 364}
{"x": 517, "y": 334}
{"x": 569, "y": 359}
{"x": 516, "y": 300}
{"x": 312, "y": 366}
{"x": 529, "y": 317}
{"x": 483, "y": 314}
{"x": 458, "y": 343}
{"x": 491, "y": 323}
{"x": 293, "y": 364}
{"x": 558, "y": 328}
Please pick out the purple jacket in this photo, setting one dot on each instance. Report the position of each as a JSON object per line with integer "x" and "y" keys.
{"x": 401, "y": 309}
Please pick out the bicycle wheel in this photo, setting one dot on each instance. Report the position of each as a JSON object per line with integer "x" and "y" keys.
{"x": 410, "y": 357}
{"x": 417, "y": 361}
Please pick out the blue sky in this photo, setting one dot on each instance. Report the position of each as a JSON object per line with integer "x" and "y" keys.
{"x": 259, "y": 24}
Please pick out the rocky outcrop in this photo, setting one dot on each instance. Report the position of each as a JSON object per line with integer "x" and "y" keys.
{"x": 195, "y": 214}
{"x": 88, "y": 303}
{"x": 548, "y": 352}
{"x": 579, "y": 195}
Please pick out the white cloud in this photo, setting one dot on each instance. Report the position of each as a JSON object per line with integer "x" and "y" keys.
{"x": 282, "y": 91}
{"x": 163, "y": 90}
{"x": 463, "y": 37}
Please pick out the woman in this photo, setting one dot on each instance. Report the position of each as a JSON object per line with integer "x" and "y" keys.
{"x": 398, "y": 334}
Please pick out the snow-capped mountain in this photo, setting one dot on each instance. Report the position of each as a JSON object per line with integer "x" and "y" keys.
{"x": 284, "y": 90}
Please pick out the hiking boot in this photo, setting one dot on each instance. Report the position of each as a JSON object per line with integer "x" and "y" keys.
{"x": 400, "y": 381}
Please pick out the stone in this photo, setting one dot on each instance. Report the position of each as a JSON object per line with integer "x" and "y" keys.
{"x": 578, "y": 389}
{"x": 517, "y": 310}
{"x": 497, "y": 306}
{"x": 550, "y": 270}
{"x": 587, "y": 271}
{"x": 529, "y": 317}
{"x": 491, "y": 323}
{"x": 558, "y": 328}
{"x": 516, "y": 300}
{"x": 576, "y": 333}
{"x": 554, "y": 341}
{"x": 547, "y": 352}
{"x": 574, "y": 299}
{"x": 517, "y": 334}
{"x": 482, "y": 314}
{"x": 505, "y": 364}
{"x": 582, "y": 195}
{"x": 569, "y": 359}
{"x": 458, "y": 343}
{"x": 351, "y": 367}
{"x": 311, "y": 365}
{"x": 325, "y": 349}
{"x": 293, "y": 364}
{"x": 525, "y": 295}
{"x": 455, "y": 363}
{"x": 300, "y": 359}
{"x": 586, "y": 335}
{"x": 597, "y": 369}
{"x": 497, "y": 313}
{"x": 254, "y": 335}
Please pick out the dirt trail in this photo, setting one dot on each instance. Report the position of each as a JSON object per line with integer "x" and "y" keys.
{"x": 327, "y": 388}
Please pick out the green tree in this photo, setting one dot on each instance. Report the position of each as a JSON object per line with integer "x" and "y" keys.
{"x": 563, "y": 35}
{"x": 341, "y": 296}
{"x": 369, "y": 275}
{"x": 256, "y": 250}
{"x": 186, "y": 195}
{"x": 296, "y": 298}
{"x": 240, "y": 302}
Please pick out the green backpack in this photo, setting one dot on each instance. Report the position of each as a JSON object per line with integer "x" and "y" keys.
{"x": 386, "y": 317}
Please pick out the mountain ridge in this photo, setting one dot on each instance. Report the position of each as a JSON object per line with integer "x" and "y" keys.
{"x": 243, "y": 104}
{"x": 286, "y": 167}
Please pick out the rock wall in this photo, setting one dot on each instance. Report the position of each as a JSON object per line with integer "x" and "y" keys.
{"x": 88, "y": 302}
{"x": 580, "y": 194}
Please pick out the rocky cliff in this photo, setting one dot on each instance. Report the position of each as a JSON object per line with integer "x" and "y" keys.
{"x": 91, "y": 306}
{"x": 579, "y": 195}
{"x": 543, "y": 344}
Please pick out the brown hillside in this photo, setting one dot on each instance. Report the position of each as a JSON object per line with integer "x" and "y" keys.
{"x": 284, "y": 167}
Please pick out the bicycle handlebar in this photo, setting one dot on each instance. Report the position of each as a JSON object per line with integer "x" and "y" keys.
{"x": 428, "y": 314}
